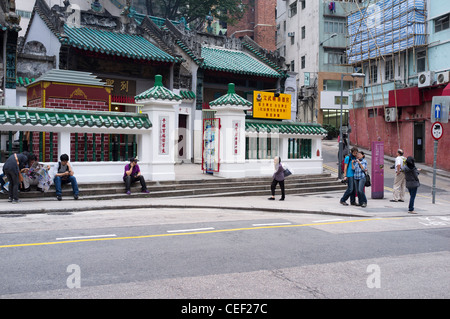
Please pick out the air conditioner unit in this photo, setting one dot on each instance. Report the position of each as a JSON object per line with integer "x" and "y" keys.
{"x": 358, "y": 97}
{"x": 426, "y": 78}
{"x": 291, "y": 34}
{"x": 443, "y": 77}
{"x": 390, "y": 115}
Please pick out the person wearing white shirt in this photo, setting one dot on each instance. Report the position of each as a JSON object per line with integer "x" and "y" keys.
{"x": 399, "y": 179}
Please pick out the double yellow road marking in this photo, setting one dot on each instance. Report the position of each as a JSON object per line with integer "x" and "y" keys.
{"x": 190, "y": 233}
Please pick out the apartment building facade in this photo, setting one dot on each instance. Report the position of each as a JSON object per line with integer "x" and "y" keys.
{"x": 312, "y": 36}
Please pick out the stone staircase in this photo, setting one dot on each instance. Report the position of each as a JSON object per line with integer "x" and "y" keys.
{"x": 189, "y": 188}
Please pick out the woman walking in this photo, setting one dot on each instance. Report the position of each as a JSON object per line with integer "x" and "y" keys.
{"x": 278, "y": 177}
{"x": 412, "y": 182}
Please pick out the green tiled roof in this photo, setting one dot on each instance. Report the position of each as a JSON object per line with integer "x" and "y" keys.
{"x": 284, "y": 127}
{"x": 231, "y": 98}
{"x": 187, "y": 95}
{"x": 115, "y": 43}
{"x": 158, "y": 92}
{"x": 23, "y": 81}
{"x": 74, "y": 118}
{"x": 68, "y": 76}
{"x": 219, "y": 59}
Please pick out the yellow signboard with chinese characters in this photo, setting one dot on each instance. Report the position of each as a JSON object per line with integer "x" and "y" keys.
{"x": 269, "y": 105}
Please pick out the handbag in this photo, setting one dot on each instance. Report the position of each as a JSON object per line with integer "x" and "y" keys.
{"x": 287, "y": 172}
{"x": 368, "y": 183}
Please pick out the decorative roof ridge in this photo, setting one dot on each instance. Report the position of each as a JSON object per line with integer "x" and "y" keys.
{"x": 69, "y": 111}
{"x": 70, "y": 76}
{"x": 158, "y": 92}
{"x": 73, "y": 118}
{"x": 231, "y": 98}
{"x": 288, "y": 122}
{"x": 255, "y": 49}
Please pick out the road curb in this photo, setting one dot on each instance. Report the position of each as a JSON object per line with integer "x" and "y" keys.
{"x": 156, "y": 206}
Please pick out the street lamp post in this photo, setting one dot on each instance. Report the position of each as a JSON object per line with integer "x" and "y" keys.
{"x": 341, "y": 147}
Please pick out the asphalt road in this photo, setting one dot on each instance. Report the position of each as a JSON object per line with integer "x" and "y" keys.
{"x": 213, "y": 253}
{"x": 222, "y": 254}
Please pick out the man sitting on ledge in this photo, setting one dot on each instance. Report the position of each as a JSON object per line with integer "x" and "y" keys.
{"x": 64, "y": 175}
{"x": 133, "y": 174}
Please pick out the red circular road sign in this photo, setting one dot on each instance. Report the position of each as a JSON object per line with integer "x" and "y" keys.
{"x": 437, "y": 130}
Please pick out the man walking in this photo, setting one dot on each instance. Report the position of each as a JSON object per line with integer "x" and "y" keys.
{"x": 399, "y": 179}
{"x": 348, "y": 176}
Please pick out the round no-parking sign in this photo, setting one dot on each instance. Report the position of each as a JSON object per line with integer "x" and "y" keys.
{"x": 437, "y": 130}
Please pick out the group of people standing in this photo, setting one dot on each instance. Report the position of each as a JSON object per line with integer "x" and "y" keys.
{"x": 355, "y": 170}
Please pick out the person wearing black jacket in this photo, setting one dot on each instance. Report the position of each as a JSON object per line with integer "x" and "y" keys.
{"x": 14, "y": 166}
{"x": 412, "y": 181}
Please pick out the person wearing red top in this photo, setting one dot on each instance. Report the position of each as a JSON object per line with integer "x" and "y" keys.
{"x": 133, "y": 174}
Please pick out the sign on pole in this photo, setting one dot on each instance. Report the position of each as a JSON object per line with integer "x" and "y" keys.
{"x": 439, "y": 109}
{"x": 437, "y": 130}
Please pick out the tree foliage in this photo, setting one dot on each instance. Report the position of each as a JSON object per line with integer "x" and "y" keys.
{"x": 196, "y": 11}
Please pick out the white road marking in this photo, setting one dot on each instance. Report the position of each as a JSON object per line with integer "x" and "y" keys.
{"x": 327, "y": 220}
{"x": 189, "y": 230}
{"x": 85, "y": 237}
{"x": 273, "y": 224}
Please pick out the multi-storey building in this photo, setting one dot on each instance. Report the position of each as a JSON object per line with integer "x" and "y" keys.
{"x": 312, "y": 36}
{"x": 403, "y": 48}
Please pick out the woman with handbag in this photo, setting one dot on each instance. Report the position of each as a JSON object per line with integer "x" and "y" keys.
{"x": 278, "y": 178}
{"x": 359, "y": 177}
{"x": 412, "y": 181}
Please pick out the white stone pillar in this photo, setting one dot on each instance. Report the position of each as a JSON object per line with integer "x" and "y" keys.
{"x": 64, "y": 144}
{"x": 230, "y": 110}
{"x": 158, "y": 148}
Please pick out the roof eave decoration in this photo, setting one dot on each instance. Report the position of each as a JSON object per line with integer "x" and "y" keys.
{"x": 158, "y": 92}
{"x": 73, "y": 118}
{"x": 288, "y": 128}
{"x": 231, "y": 100}
{"x": 69, "y": 76}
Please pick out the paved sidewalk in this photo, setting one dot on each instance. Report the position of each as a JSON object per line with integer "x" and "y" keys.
{"x": 327, "y": 204}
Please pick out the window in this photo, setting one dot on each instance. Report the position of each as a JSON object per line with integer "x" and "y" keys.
{"x": 442, "y": 23}
{"x": 335, "y": 57}
{"x": 293, "y": 65}
{"x": 303, "y": 32}
{"x": 24, "y": 14}
{"x": 421, "y": 61}
{"x": 261, "y": 147}
{"x": 334, "y": 26}
{"x": 303, "y": 4}
{"x": 303, "y": 62}
{"x": 389, "y": 70}
{"x": 373, "y": 78}
{"x": 299, "y": 148}
{"x": 293, "y": 9}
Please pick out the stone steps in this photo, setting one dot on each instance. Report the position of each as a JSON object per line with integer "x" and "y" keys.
{"x": 219, "y": 187}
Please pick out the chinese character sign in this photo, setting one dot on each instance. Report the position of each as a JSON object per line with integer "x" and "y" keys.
{"x": 163, "y": 135}
{"x": 236, "y": 137}
{"x": 267, "y": 105}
